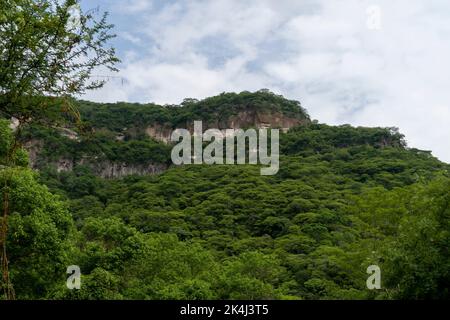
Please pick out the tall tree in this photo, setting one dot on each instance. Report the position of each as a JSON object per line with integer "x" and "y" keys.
{"x": 49, "y": 50}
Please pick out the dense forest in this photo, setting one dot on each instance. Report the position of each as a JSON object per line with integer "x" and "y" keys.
{"x": 344, "y": 198}
{"x": 93, "y": 185}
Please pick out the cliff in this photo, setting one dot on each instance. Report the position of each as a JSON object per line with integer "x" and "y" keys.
{"x": 128, "y": 138}
{"x": 251, "y": 118}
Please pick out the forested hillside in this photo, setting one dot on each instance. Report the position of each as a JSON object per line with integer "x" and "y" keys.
{"x": 345, "y": 198}
{"x": 132, "y": 138}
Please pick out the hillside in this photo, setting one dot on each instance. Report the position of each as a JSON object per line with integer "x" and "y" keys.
{"x": 116, "y": 140}
{"x": 123, "y": 138}
{"x": 344, "y": 198}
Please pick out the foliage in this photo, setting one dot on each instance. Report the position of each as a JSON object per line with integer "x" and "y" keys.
{"x": 345, "y": 198}
{"x": 46, "y": 55}
{"x": 39, "y": 226}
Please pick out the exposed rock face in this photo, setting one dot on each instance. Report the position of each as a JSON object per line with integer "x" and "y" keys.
{"x": 64, "y": 165}
{"x": 246, "y": 118}
{"x": 105, "y": 169}
{"x": 70, "y": 134}
{"x": 159, "y": 132}
{"x": 262, "y": 120}
{"x": 14, "y": 124}
{"x": 33, "y": 148}
{"x": 110, "y": 170}
{"x": 243, "y": 120}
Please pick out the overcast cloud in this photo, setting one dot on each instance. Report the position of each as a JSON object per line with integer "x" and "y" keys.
{"x": 336, "y": 57}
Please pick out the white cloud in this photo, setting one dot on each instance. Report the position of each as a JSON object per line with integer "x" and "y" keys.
{"x": 130, "y": 37}
{"x": 132, "y": 6}
{"x": 319, "y": 52}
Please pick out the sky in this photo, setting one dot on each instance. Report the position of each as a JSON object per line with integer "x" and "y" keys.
{"x": 365, "y": 63}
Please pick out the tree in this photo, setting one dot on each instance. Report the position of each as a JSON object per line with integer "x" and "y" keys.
{"x": 417, "y": 260}
{"x": 39, "y": 227}
{"x": 39, "y": 233}
{"x": 45, "y": 52}
{"x": 47, "y": 55}
{"x": 7, "y": 174}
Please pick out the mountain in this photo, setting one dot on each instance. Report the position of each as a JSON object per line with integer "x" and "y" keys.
{"x": 123, "y": 138}
{"x": 345, "y": 199}
{"x": 127, "y": 138}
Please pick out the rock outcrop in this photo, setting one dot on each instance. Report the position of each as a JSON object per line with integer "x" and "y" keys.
{"x": 111, "y": 170}
{"x": 115, "y": 128}
{"x": 102, "y": 168}
{"x": 243, "y": 120}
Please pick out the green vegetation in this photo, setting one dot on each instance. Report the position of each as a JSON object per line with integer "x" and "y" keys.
{"x": 47, "y": 55}
{"x": 345, "y": 198}
{"x": 45, "y": 58}
{"x": 120, "y": 117}
{"x": 116, "y": 132}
